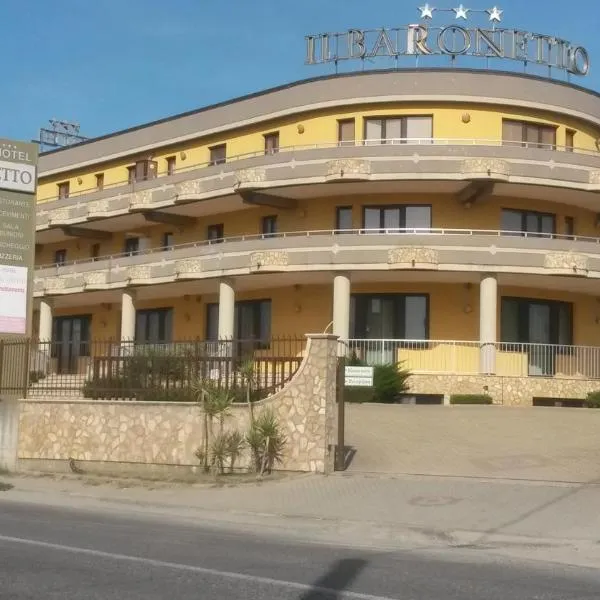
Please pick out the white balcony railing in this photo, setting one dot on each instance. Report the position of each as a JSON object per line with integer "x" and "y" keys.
{"x": 297, "y": 150}
{"x": 471, "y": 358}
{"x": 220, "y": 244}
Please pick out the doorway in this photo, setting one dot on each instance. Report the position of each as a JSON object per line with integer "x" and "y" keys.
{"x": 71, "y": 337}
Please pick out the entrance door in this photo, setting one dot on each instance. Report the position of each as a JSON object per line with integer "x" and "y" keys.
{"x": 541, "y": 358}
{"x": 71, "y": 341}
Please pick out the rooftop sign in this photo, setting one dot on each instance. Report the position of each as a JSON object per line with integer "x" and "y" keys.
{"x": 453, "y": 40}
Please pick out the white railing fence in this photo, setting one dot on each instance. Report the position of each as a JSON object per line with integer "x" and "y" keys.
{"x": 474, "y": 357}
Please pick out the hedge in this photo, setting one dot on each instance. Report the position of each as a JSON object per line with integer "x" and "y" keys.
{"x": 470, "y": 399}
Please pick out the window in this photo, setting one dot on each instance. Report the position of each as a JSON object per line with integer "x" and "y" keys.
{"x": 171, "y": 164}
{"x": 154, "y": 326}
{"x": 95, "y": 251}
{"x": 268, "y": 225}
{"x": 528, "y": 135}
{"x": 346, "y": 132}
{"x": 343, "y": 218}
{"x": 60, "y": 257}
{"x": 70, "y": 340}
{"x": 215, "y": 233}
{"x": 252, "y": 321}
{"x": 212, "y": 321}
{"x": 167, "y": 240}
{"x": 99, "y": 181}
{"x": 545, "y": 323}
{"x": 570, "y": 227}
{"x": 218, "y": 154}
{"x": 396, "y": 217}
{"x": 132, "y": 245}
{"x": 570, "y": 140}
{"x": 272, "y": 143}
{"x": 385, "y": 316}
{"x": 398, "y": 130}
{"x": 63, "y": 189}
{"x": 143, "y": 170}
{"x": 528, "y": 222}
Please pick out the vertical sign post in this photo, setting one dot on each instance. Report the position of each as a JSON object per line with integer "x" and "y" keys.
{"x": 18, "y": 182}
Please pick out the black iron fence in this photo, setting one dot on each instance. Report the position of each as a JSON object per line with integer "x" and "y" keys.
{"x": 175, "y": 371}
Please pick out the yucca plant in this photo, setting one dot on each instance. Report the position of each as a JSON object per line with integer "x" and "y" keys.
{"x": 248, "y": 375}
{"x": 235, "y": 447}
{"x": 267, "y": 441}
{"x": 219, "y": 451}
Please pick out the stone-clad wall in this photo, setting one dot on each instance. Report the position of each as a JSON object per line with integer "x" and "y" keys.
{"x": 169, "y": 433}
{"x": 510, "y": 391}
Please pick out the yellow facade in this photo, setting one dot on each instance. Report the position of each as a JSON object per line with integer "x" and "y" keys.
{"x": 484, "y": 125}
{"x": 561, "y": 181}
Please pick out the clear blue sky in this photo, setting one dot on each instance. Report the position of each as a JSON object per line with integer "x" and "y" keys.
{"x": 112, "y": 64}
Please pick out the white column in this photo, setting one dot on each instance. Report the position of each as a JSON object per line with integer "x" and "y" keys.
{"x": 226, "y": 310}
{"x": 45, "y": 327}
{"x": 341, "y": 309}
{"x": 488, "y": 306}
{"x": 128, "y": 317}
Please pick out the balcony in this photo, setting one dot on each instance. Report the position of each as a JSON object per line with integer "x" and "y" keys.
{"x": 449, "y": 357}
{"x": 362, "y": 250}
{"x": 324, "y": 165}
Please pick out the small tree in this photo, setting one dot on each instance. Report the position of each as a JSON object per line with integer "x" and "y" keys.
{"x": 267, "y": 441}
{"x": 247, "y": 373}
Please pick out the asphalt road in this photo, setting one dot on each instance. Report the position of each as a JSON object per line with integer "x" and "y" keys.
{"x": 53, "y": 553}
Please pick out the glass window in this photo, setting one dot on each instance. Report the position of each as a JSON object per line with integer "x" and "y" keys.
{"x": 171, "y": 164}
{"x": 527, "y": 222}
{"x": 529, "y": 321}
{"x": 394, "y": 130}
{"x": 525, "y": 133}
{"x": 346, "y": 132}
{"x": 63, "y": 189}
{"x": 100, "y": 181}
{"x": 418, "y": 217}
{"x": 212, "y": 321}
{"x": 167, "y": 240}
{"x": 154, "y": 326}
{"x": 569, "y": 140}
{"x": 419, "y": 129}
{"x": 272, "y": 143}
{"x": 215, "y": 233}
{"x": 268, "y": 225}
{"x": 95, "y": 250}
{"x": 570, "y": 227}
{"x": 343, "y": 218}
{"x": 60, "y": 257}
{"x": 389, "y": 316}
{"x": 381, "y": 218}
{"x": 218, "y": 154}
{"x": 132, "y": 245}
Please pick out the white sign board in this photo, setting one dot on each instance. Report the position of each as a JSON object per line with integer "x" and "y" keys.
{"x": 358, "y": 376}
{"x": 13, "y": 299}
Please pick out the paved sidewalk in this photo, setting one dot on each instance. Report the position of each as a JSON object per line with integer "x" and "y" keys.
{"x": 548, "y": 521}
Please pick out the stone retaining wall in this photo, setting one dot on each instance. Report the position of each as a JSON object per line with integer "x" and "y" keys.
{"x": 169, "y": 433}
{"x": 510, "y": 391}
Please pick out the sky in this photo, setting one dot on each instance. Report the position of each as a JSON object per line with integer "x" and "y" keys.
{"x": 113, "y": 64}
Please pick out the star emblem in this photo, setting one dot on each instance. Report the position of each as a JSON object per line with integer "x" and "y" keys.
{"x": 426, "y": 11}
{"x": 495, "y": 14}
{"x": 461, "y": 12}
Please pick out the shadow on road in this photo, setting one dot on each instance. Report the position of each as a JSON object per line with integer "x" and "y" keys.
{"x": 337, "y": 579}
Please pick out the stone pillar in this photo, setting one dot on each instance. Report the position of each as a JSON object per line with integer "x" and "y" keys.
{"x": 45, "y": 327}
{"x": 341, "y": 310}
{"x": 488, "y": 306}
{"x": 226, "y": 310}
{"x": 9, "y": 433}
{"x": 127, "y": 318}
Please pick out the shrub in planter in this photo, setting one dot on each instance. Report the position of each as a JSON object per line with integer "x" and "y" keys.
{"x": 105, "y": 388}
{"x": 471, "y": 399}
{"x": 592, "y": 400}
{"x": 389, "y": 381}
